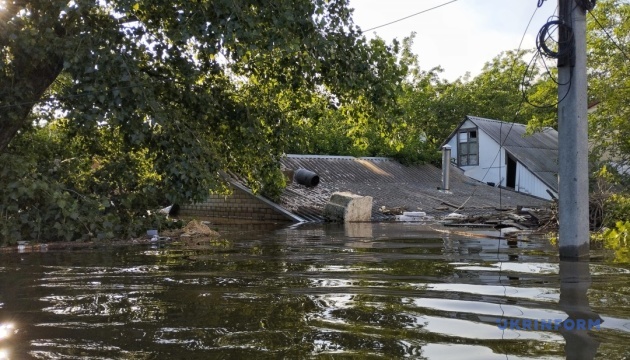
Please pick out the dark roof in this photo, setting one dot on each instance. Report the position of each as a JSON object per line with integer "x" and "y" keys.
{"x": 538, "y": 152}
{"x": 392, "y": 185}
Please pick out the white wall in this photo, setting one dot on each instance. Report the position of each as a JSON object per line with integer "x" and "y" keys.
{"x": 492, "y": 166}
{"x": 527, "y": 182}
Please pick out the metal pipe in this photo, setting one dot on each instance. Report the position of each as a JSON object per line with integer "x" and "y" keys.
{"x": 446, "y": 167}
{"x": 306, "y": 177}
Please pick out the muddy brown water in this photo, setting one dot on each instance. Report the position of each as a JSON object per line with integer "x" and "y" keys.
{"x": 369, "y": 291}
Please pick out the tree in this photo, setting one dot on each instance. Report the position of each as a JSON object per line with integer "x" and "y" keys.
{"x": 424, "y": 109}
{"x": 180, "y": 89}
{"x": 430, "y": 107}
{"x": 609, "y": 81}
{"x": 366, "y": 123}
{"x": 510, "y": 88}
{"x": 167, "y": 72}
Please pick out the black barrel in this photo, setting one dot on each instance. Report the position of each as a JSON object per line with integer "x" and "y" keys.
{"x": 306, "y": 177}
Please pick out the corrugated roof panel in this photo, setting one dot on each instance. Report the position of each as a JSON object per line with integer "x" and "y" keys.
{"x": 393, "y": 185}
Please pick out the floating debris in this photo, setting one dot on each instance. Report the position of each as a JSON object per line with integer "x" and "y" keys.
{"x": 410, "y": 216}
{"x": 391, "y": 211}
{"x": 455, "y": 216}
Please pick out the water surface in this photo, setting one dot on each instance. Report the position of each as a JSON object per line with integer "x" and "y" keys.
{"x": 313, "y": 291}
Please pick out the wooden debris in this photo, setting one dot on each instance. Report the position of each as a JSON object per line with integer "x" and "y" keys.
{"x": 391, "y": 211}
{"x": 449, "y": 204}
{"x": 499, "y": 219}
{"x": 469, "y": 225}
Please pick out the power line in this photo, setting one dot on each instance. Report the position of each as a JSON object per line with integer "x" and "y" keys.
{"x": 609, "y": 36}
{"x": 520, "y": 105}
{"x": 520, "y": 44}
{"x": 412, "y": 15}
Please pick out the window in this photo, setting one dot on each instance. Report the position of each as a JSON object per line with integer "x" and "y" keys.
{"x": 468, "y": 147}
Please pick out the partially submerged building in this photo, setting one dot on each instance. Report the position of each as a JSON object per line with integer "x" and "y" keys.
{"x": 390, "y": 184}
{"x": 503, "y": 154}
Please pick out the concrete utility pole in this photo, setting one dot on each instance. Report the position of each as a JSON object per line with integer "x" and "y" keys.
{"x": 573, "y": 132}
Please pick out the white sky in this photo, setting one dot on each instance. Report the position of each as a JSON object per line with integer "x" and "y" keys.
{"x": 460, "y": 36}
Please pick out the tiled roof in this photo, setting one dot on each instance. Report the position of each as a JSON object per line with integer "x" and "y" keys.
{"x": 538, "y": 152}
{"x": 392, "y": 185}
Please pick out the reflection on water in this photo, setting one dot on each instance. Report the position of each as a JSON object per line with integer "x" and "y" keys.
{"x": 315, "y": 291}
{"x": 575, "y": 280}
{"x": 6, "y": 331}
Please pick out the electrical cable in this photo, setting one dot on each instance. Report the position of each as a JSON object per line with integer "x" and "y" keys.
{"x": 517, "y": 111}
{"x": 544, "y": 34}
{"x": 412, "y": 15}
{"x": 546, "y": 106}
{"x": 586, "y": 5}
{"x": 520, "y": 44}
{"x": 502, "y": 141}
{"x": 609, "y": 36}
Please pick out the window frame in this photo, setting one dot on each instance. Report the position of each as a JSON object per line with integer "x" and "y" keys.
{"x": 467, "y": 155}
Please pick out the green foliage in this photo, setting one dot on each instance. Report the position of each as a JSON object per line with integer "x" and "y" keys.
{"x": 615, "y": 220}
{"x": 400, "y": 120}
{"x": 511, "y": 88}
{"x": 416, "y": 151}
{"x": 421, "y": 109}
{"x": 609, "y": 196}
{"x": 617, "y": 239}
{"x": 430, "y": 108}
{"x": 617, "y": 209}
{"x": 51, "y": 189}
{"x": 609, "y": 83}
{"x": 160, "y": 98}
{"x": 358, "y": 122}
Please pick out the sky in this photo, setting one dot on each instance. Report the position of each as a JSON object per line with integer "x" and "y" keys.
{"x": 461, "y": 36}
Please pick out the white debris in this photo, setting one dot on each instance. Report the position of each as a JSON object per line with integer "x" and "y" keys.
{"x": 166, "y": 210}
{"x": 517, "y": 217}
{"x": 414, "y": 213}
{"x": 455, "y": 216}
{"x": 509, "y": 230}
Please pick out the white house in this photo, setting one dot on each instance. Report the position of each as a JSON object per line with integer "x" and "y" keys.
{"x": 501, "y": 154}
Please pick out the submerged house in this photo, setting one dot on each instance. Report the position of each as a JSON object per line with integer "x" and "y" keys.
{"x": 391, "y": 184}
{"x": 502, "y": 154}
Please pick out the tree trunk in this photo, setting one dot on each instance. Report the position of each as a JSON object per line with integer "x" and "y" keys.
{"x": 20, "y": 92}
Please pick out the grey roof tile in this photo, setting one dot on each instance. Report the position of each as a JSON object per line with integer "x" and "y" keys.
{"x": 392, "y": 184}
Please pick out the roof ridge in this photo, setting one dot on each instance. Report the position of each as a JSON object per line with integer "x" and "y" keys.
{"x": 338, "y": 157}
{"x": 530, "y": 147}
{"x": 494, "y": 120}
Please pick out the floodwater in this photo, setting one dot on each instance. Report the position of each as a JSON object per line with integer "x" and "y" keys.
{"x": 370, "y": 291}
